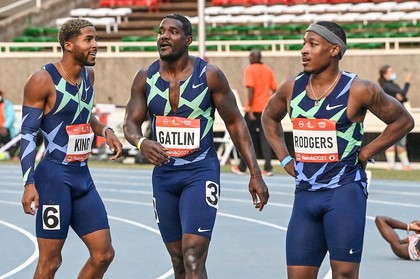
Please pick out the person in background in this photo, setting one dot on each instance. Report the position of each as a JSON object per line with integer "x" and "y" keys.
{"x": 327, "y": 107}
{"x": 407, "y": 248}
{"x": 59, "y": 190}
{"x": 260, "y": 82}
{"x": 7, "y": 128}
{"x": 387, "y": 77}
{"x": 180, "y": 93}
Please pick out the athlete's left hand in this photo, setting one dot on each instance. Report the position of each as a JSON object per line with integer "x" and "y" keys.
{"x": 114, "y": 144}
{"x": 259, "y": 192}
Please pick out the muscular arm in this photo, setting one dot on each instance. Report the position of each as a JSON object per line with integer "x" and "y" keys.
{"x": 97, "y": 127}
{"x": 136, "y": 109}
{"x": 386, "y": 226}
{"x": 366, "y": 95}
{"x": 135, "y": 115}
{"x": 36, "y": 101}
{"x": 274, "y": 112}
{"x": 225, "y": 102}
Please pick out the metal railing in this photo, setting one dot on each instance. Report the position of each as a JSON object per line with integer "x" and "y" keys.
{"x": 17, "y": 4}
{"x": 374, "y": 46}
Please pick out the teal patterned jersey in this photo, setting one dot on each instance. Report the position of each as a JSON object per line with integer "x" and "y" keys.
{"x": 346, "y": 168}
{"x": 73, "y": 106}
{"x": 194, "y": 103}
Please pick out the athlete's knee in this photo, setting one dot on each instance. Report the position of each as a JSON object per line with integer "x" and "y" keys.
{"x": 194, "y": 259}
{"x": 345, "y": 270}
{"x": 345, "y": 274}
{"x": 178, "y": 263}
{"x": 379, "y": 221}
{"x": 104, "y": 258}
{"x": 48, "y": 266}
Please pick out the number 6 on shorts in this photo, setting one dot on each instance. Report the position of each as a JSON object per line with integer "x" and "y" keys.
{"x": 51, "y": 217}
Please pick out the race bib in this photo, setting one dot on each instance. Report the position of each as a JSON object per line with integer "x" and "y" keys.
{"x": 315, "y": 140}
{"x": 180, "y": 135}
{"x": 79, "y": 147}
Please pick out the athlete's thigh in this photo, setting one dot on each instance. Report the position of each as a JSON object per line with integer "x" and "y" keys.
{"x": 345, "y": 223}
{"x": 199, "y": 201}
{"x": 200, "y": 197}
{"x": 89, "y": 213}
{"x": 305, "y": 239}
{"x": 50, "y": 248}
{"x": 54, "y": 213}
{"x": 167, "y": 188}
{"x": 98, "y": 242}
{"x": 180, "y": 194}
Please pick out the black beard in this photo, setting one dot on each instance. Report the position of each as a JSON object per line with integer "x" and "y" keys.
{"x": 83, "y": 59}
{"x": 169, "y": 58}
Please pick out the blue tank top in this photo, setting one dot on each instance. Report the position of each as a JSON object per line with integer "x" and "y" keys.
{"x": 318, "y": 176}
{"x": 194, "y": 103}
{"x": 73, "y": 105}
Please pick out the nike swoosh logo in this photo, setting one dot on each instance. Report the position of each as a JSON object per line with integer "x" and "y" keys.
{"x": 333, "y": 107}
{"x": 87, "y": 88}
{"x": 197, "y": 85}
{"x": 353, "y": 252}
{"x": 201, "y": 230}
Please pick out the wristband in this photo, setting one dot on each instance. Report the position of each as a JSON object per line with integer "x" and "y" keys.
{"x": 104, "y": 130}
{"x": 286, "y": 160}
{"x": 140, "y": 141}
{"x": 408, "y": 228}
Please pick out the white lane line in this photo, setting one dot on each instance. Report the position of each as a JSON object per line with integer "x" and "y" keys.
{"x": 134, "y": 223}
{"x": 150, "y": 229}
{"x": 394, "y": 203}
{"x": 252, "y": 220}
{"x": 31, "y": 259}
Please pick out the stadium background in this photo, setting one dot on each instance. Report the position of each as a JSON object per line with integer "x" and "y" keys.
{"x": 113, "y": 74}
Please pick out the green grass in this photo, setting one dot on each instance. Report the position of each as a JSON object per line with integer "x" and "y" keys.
{"x": 413, "y": 175}
{"x": 377, "y": 173}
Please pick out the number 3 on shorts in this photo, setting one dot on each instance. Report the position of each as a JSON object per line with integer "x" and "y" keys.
{"x": 212, "y": 194}
{"x": 51, "y": 217}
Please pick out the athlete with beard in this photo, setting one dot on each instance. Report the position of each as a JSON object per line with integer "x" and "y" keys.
{"x": 180, "y": 93}
{"x": 327, "y": 107}
{"x": 58, "y": 99}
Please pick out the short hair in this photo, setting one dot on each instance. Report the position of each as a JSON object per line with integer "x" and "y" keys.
{"x": 71, "y": 28}
{"x": 334, "y": 28}
{"x": 186, "y": 24}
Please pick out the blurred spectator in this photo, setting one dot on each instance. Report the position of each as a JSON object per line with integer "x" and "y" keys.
{"x": 153, "y": 5}
{"x": 260, "y": 82}
{"x": 7, "y": 129}
{"x": 387, "y": 77}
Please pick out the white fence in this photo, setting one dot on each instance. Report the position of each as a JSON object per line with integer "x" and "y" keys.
{"x": 389, "y": 46}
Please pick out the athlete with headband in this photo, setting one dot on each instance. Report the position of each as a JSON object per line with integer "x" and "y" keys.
{"x": 327, "y": 107}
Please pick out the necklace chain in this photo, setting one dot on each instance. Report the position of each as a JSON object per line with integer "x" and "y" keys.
{"x": 74, "y": 83}
{"x": 325, "y": 92}
{"x": 67, "y": 76}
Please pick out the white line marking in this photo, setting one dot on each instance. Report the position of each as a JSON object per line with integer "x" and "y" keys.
{"x": 150, "y": 229}
{"x": 31, "y": 259}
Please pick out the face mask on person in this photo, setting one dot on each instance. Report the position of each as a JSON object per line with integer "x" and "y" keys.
{"x": 393, "y": 76}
